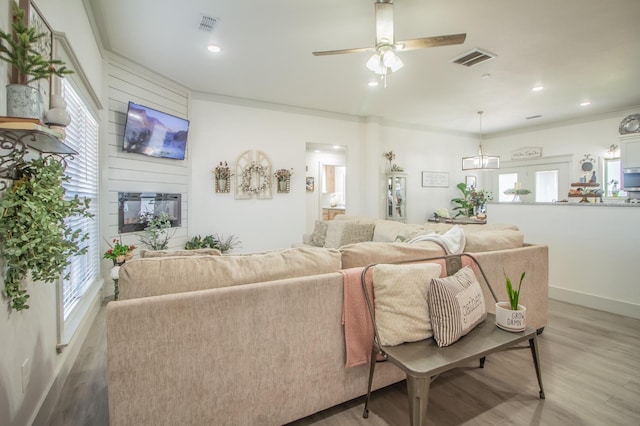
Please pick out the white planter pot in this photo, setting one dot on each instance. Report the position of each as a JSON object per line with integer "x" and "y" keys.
{"x": 24, "y": 101}
{"x": 510, "y": 320}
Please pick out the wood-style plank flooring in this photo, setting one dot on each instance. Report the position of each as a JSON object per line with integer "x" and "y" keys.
{"x": 590, "y": 367}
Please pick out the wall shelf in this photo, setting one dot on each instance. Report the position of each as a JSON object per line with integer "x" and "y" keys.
{"x": 18, "y": 138}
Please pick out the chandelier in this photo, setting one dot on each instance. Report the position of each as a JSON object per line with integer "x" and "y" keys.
{"x": 481, "y": 161}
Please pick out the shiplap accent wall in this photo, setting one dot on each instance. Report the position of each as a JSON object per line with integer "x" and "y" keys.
{"x": 130, "y": 172}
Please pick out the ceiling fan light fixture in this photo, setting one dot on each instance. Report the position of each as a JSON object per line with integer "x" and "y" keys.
{"x": 392, "y": 61}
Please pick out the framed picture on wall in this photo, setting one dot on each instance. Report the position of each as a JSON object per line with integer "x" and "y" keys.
{"x": 435, "y": 179}
{"x": 470, "y": 181}
{"x": 44, "y": 46}
{"x": 310, "y": 184}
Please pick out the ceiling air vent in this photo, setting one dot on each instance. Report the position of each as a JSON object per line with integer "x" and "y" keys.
{"x": 207, "y": 23}
{"x": 473, "y": 57}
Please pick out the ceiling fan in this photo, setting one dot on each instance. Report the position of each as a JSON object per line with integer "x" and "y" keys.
{"x": 384, "y": 58}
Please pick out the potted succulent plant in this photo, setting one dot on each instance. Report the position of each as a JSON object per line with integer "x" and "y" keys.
{"x": 18, "y": 48}
{"x": 511, "y": 315}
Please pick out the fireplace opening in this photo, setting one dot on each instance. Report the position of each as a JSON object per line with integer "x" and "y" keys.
{"x": 135, "y": 207}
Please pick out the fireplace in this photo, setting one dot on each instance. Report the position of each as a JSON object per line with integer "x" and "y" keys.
{"x": 133, "y": 207}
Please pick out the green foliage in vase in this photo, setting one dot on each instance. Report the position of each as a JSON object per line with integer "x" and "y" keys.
{"x": 465, "y": 203}
{"x": 34, "y": 233}
{"x": 216, "y": 241}
{"x": 513, "y": 294}
{"x": 22, "y": 54}
{"x": 158, "y": 231}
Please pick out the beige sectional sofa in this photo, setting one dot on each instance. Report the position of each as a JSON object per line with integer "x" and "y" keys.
{"x": 258, "y": 339}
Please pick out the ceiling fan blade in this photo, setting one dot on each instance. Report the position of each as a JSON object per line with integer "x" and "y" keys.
{"x": 339, "y": 52}
{"x": 384, "y": 23}
{"x": 422, "y": 43}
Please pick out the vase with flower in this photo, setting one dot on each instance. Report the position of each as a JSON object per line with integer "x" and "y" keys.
{"x": 222, "y": 175}
{"x": 118, "y": 252}
{"x": 283, "y": 177}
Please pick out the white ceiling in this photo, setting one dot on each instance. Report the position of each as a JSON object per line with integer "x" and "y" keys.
{"x": 578, "y": 49}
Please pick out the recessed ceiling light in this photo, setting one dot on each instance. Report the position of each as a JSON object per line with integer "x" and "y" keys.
{"x": 214, "y": 48}
{"x": 537, "y": 88}
{"x": 485, "y": 76}
{"x": 585, "y": 103}
{"x": 372, "y": 83}
{"x": 337, "y": 147}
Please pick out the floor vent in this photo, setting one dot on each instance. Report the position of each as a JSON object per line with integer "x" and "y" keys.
{"x": 207, "y": 23}
{"x": 473, "y": 57}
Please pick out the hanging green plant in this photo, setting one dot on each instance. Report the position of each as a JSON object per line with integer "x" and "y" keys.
{"x": 34, "y": 234}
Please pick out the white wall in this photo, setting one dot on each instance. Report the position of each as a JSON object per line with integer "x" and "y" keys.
{"x": 32, "y": 334}
{"x": 592, "y": 249}
{"x": 222, "y": 129}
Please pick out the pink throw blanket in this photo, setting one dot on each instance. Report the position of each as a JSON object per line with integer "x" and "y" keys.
{"x": 358, "y": 328}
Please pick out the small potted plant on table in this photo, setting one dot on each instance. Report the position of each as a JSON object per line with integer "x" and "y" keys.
{"x": 511, "y": 316}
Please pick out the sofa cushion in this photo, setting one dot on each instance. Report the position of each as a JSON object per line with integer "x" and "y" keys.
{"x": 176, "y": 274}
{"x": 165, "y": 253}
{"x": 389, "y": 231}
{"x": 356, "y": 233}
{"x": 478, "y": 241}
{"x": 401, "y": 309}
{"x": 456, "y": 305}
{"x": 363, "y": 254}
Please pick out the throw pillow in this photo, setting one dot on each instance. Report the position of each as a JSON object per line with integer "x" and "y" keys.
{"x": 356, "y": 233}
{"x": 319, "y": 233}
{"x": 334, "y": 233}
{"x": 456, "y": 305}
{"x": 401, "y": 307}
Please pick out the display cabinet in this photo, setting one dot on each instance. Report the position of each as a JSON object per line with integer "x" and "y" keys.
{"x": 396, "y": 194}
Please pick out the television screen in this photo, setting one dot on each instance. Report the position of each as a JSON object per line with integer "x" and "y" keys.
{"x": 155, "y": 133}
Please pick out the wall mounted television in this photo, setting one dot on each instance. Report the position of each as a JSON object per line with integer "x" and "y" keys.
{"x": 157, "y": 134}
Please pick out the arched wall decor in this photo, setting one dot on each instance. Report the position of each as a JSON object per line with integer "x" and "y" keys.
{"x": 253, "y": 176}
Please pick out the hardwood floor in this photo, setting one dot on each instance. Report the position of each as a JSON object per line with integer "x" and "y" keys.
{"x": 590, "y": 367}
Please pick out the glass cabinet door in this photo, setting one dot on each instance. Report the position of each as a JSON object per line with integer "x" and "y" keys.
{"x": 396, "y": 197}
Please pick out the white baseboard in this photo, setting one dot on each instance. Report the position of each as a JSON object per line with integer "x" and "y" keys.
{"x": 596, "y": 302}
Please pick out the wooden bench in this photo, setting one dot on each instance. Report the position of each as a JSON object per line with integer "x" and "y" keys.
{"x": 423, "y": 361}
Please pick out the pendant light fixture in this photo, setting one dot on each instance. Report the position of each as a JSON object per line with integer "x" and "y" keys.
{"x": 481, "y": 161}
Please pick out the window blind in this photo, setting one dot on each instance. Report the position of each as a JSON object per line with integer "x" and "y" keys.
{"x": 82, "y": 136}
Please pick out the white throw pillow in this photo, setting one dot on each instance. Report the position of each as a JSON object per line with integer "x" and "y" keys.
{"x": 334, "y": 233}
{"x": 401, "y": 307}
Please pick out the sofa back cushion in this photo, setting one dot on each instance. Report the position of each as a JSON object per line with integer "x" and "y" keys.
{"x": 167, "y": 253}
{"x": 177, "y": 274}
{"x": 363, "y": 254}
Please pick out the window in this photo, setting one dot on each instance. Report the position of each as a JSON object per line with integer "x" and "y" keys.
{"x": 82, "y": 136}
{"x": 547, "y": 178}
{"x": 546, "y": 186}
{"x": 506, "y": 181}
{"x": 613, "y": 178}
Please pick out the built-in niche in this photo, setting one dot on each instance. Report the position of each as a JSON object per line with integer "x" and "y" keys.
{"x": 134, "y": 207}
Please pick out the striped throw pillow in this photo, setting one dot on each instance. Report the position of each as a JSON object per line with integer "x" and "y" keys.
{"x": 456, "y": 306}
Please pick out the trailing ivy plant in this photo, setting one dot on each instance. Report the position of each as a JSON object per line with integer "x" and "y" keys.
{"x": 34, "y": 233}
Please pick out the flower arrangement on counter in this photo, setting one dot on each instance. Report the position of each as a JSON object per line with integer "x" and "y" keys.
{"x": 222, "y": 170}
{"x": 517, "y": 191}
{"x": 390, "y": 156}
{"x": 119, "y": 252}
{"x": 443, "y": 213}
{"x": 283, "y": 174}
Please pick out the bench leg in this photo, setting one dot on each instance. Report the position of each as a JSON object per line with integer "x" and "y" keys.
{"x": 533, "y": 344}
{"x": 372, "y": 367}
{"x": 418, "y": 390}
